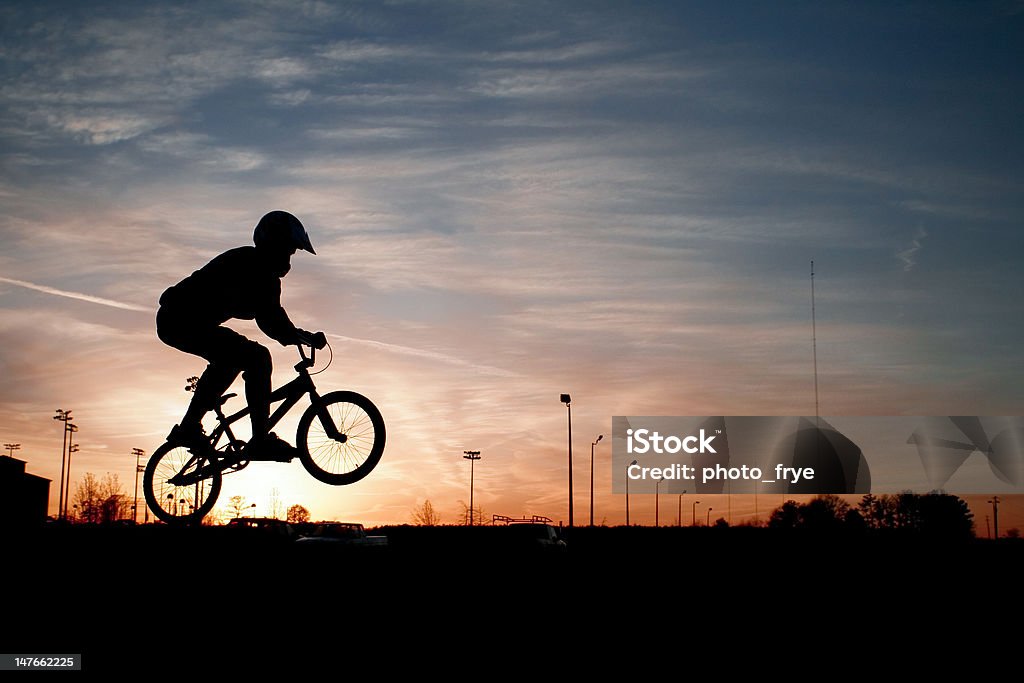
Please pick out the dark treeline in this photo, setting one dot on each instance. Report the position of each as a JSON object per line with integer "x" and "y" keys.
{"x": 933, "y": 514}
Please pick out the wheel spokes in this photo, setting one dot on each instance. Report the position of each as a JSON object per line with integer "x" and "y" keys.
{"x": 339, "y": 456}
{"x": 180, "y": 501}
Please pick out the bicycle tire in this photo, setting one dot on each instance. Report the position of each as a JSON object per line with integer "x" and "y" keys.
{"x": 340, "y": 462}
{"x": 167, "y": 461}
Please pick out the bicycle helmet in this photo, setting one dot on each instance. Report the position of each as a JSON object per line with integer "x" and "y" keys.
{"x": 281, "y": 230}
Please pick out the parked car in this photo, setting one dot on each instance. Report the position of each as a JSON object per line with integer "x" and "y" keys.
{"x": 535, "y": 535}
{"x": 268, "y": 525}
{"x": 340, "y": 534}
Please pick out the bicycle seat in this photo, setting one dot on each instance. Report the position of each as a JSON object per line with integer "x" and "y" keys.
{"x": 224, "y": 399}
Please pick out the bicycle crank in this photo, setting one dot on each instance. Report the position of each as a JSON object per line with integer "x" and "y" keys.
{"x": 206, "y": 471}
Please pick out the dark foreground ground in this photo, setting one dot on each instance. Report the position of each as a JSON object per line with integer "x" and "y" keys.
{"x": 218, "y": 600}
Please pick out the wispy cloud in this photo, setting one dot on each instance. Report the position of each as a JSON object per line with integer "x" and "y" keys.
{"x": 909, "y": 255}
{"x": 74, "y": 295}
{"x": 427, "y": 355}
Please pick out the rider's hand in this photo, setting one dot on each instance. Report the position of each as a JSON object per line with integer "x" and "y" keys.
{"x": 317, "y": 340}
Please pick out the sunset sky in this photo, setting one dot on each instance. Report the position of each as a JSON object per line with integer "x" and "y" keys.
{"x": 510, "y": 201}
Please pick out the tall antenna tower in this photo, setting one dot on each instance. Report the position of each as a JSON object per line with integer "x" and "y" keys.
{"x": 814, "y": 346}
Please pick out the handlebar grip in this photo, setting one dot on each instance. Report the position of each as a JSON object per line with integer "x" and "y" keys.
{"x": 316, "y": 340}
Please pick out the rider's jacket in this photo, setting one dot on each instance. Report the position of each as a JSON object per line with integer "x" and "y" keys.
{"x": 240, "y": 283}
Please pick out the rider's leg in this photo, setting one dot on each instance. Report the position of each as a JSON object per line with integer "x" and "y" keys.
{"x": 218, "y": 345}
{"x": 214, "y": 381}
{"x": 228, "y": 353}
{"x": 256, "y": 360}
{"x": 258, "y": 366}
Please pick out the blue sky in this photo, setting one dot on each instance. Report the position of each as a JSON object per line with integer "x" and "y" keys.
{"x": 514, "y": 200}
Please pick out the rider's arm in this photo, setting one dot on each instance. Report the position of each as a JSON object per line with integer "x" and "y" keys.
{"x": 275, "y": 324}
{"x": 272, "y": 319}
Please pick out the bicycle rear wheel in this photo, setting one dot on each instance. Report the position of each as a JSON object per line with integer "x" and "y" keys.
{"x": 341, "y": 438}
{"x": 179, "y": 503}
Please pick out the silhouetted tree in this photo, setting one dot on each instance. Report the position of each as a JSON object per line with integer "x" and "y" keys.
{"x": 823, "y": 513}
{"x": 100, "y": 500}
{"x": 785, "y": 517}
{"x": 941, "y": 514}
{"x": 297, "y": 514}
{"x": 237, "y": 505}
{"x": 276, "y": 508}
{"x": 478, "y": 514}
{"x": 87, "y": 498}
{"x": 1013, "y": 532}
{"x": 425, "y": 515}
{"x": 878, "y": 512}
{"x": 854, "y": 520}
{"x": 720, "y": 523}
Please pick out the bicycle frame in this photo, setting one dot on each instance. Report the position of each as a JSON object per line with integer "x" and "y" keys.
{"x": 289, "y": 393}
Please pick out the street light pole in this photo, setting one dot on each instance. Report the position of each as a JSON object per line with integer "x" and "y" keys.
{"x": 995, "y": 515}
{"x": 707, "y": 522}
{"x": 138, "y": 453}
{"x": 757, "y": 519}
{"x": 72, "y": 448}
{"x": 62, "y": 416}
{"x": 680, "y": 513}
{"x": 566, "y": 399}
{"x": 472, "y": 457}
{"x": 657, "y": 503}
{"x": 627, "y": 490}
{"x": 693, "y": 513}
{"x": 599, "y": 437}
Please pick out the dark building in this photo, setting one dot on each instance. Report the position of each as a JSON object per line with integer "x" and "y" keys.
{"x": 24, "y": 497}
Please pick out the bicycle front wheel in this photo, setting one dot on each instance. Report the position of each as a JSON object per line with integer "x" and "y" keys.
{"x": 179, "y": 503}
{"x": 341, "y": 438}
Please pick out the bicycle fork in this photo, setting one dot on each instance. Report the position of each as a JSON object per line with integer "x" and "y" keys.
{"x": 326, "y": 420}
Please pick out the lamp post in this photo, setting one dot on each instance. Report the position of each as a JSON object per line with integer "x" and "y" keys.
{"x": 72, "y": 448}
{"x": 65, "y": 417}
{"x": 627, "y": 490}
{"x": 253, "y": 506}
{"x": 138, "y": 453}
{"x": 995, "y": 515}
{"x": 599, "y": 437}
{"x": 693, "y": 513}
{"x": 657, "y": 503}
{"x": 707, "y": 522}
{"x": 680, "y": 513}
{"x": 472, "y": 457}
{"x": 756, "y": 516}
{"x": 566, "y": 399}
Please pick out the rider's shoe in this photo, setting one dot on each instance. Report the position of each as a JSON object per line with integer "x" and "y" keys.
{"x": 188, "y": 435}
{"x": 270, "y": 447}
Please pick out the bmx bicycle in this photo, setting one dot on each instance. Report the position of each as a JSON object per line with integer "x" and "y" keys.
{"x": 340, "y": 439}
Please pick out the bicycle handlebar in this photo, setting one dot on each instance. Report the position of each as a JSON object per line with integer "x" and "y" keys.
{"x": 314, "y": 341}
